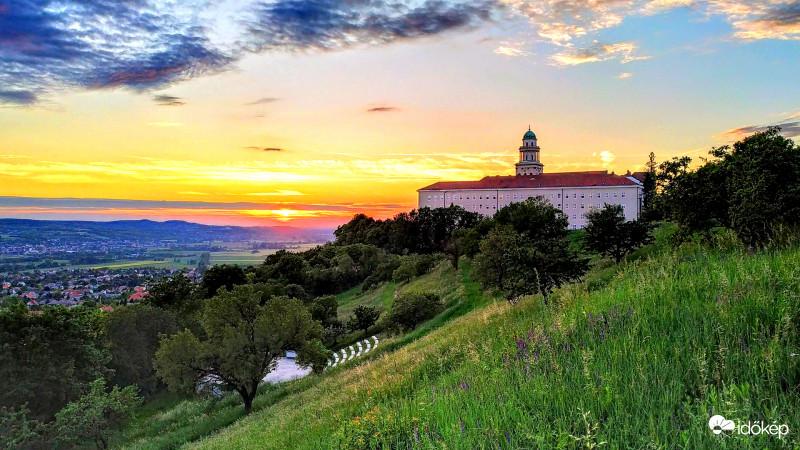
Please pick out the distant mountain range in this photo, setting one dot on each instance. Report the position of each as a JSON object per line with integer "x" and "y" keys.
{"x": 16, "y": 231}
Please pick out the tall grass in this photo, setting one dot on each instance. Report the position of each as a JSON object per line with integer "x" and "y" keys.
{"x": 640, "y": 362}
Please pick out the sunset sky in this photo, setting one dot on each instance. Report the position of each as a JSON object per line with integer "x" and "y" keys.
{"x": 305, "y": 112}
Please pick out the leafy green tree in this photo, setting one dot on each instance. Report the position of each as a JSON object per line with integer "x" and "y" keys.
{"x": 222, "y": 276}
{"x": 48, "y": 359}
{"x": 133, "y": 338}
{"x": 174, "y": 293}
{"x": 285, "y": 267}
{"x": 324, "y": 310}
{"x": 649, "y": 189}
{"x": 244, "y": 339}
{"x": 411, "y": 309}
{"x": 363, "y": 317}
{"x": 95, "y": 415}
{"x": 609, "y": 234}
{"x": 518, "y": 265}
{"x": 17, "y": 431}
{"x": 315, "y": 356}
{"x": 535, "y": 218}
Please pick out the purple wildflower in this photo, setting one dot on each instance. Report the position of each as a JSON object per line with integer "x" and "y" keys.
{"x": 536, "y": 356}
{"x": 508, "y": 438}
{"x": 520, "y": 344}
{"x": 589, "y": 316}
{"x": 463, "y": 385}
{"x": 416, "y": 434}
{"x": 461, "y": 423}
{"x": 602, "y": 336}
{"x": 506, "y": 358}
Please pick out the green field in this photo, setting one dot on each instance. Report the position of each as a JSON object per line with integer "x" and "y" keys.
{"x": 638, "y": 359}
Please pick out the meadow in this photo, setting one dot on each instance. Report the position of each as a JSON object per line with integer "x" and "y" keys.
{"x": 639, "y": 355}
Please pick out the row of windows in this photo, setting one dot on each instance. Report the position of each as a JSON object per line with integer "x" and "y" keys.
{"x": 520, "y": 196}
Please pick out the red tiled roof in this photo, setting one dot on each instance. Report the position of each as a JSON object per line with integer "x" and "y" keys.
{"x": 545, "y": 180}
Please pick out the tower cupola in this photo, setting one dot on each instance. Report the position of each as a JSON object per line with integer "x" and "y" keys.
{"x": 529, "y": 163}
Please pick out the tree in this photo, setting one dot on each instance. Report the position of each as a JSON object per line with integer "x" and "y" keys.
{"x": 535, "y": 218}
{"x": 315, "y": 356}
{"x": 133, "y": 338}
{"x": 48, "y": 359}
{"x": 286, "y": 267}
{"x": 363, "y": 317}
{"x": 649, "y": 185}
{"x": 324, "y": 310}
{"x": 244, "y": 339}
{"x": 224, "y": 275}
{"x": 409, "y": 310}
{"x": 95, "y": 415}
{"x": 752, "y": 188}
{"x": 175, "y": 293}
{"x": 609, "y": 234}
{"x": 516, "y": 266}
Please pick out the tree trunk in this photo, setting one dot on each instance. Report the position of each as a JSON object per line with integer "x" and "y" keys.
{"x": 248, "y": 401}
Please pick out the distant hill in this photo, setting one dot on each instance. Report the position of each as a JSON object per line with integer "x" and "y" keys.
{"x": 19, "y": 231}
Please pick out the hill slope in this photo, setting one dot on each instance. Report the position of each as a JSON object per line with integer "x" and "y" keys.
{"x": 642, "y": 361}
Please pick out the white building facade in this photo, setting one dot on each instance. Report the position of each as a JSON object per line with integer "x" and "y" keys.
{"x": 574, "y": 193}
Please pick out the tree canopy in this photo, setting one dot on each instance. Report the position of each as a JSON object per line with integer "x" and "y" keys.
{"x": 245, "y": 336}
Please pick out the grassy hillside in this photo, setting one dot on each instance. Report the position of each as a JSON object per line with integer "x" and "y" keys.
{"x": 641, "y": 360}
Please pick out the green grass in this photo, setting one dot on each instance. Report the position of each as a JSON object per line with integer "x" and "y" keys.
{"x": 684, "y": 333}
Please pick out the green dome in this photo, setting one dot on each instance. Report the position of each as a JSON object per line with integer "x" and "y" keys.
{"x": 529, "y": 135}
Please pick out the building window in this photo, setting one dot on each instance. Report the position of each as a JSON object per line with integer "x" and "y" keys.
{"x": 623, "y": 195}
{"x": 574, "y": 216}
{"x": 429, "y": 197}
{"x": 615, "y": 195}
{"x": 575, "y": 195}
{"x": 559, "y": 205}
{"x": 559, "y": 195}
{"x": 606, "y": 194}
{"x": 582, "y": 206}
{"x": 581, "y": 194}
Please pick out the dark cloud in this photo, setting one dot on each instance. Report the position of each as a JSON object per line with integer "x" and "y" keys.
{"x": 96, "y": 44}
{"x": 17, "y": 97}
{"x": 336, "y": 24}
{"x": 788, "y": 129}
{"x": 142, "y": 45}
{"x": 784, "y": 15}
{"x": 383, "y": 109}
{"x": 168, "y": 100}
{"x": 262, "y": 101}
{"x": 266, "y": 149}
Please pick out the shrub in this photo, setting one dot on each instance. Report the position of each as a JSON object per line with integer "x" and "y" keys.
{"x": 363, "y": 317}
{"x": 409, "y": 310}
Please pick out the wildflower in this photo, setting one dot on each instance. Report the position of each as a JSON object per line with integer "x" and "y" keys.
{"x": 415, "y": 419}
{"x": 416, "y": 434}
{"x": 506, "y": 359}
{"x": 520, "y": 344}
{"x": 589, "y": 316}
{"x": 602, "y": 336}
{"x": 536, "y": 356}
{"x": 461, "y": 423}
{"x": 508, "y": 438}
{"x": 463, "y": 385}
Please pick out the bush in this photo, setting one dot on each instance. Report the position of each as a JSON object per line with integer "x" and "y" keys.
{"x": 363, "y": 317}
{"x": 409, "y": 310}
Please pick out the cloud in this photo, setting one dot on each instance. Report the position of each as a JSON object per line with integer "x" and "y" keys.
{"x": 788, "y": 129}
{"x": 266, "y": 149}
{"x": 279, "y": 193}
{"x": 624, "y": 76}
{"x": 380, "y": 109}
{"x": 607, "y": 157}
{"x": 623, "y": 51}
{"x": 168, "y": 100}
{"x": 262, "y": 101}
{"x": 333, "y": 24}
{"x": 510, "y": 50}
{"x": 780, "y": 22}
{"x": 17, "y": 97}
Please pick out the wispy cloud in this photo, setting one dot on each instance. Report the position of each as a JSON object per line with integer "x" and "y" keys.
{"x": 625, "y": 52}
{"x": 384, "y": 108}
{"x": 788, "y": 129}
{"x": 262, "y": 101}
{"x": 266, "y": 149}
{"x": 168, "y": 100}
{"x": 624, "y": 76}
{"x": 278, "y": 193}
{"x": 510, "y": 50}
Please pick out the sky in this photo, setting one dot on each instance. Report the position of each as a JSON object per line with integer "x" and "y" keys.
{"x": 306, "y": 112}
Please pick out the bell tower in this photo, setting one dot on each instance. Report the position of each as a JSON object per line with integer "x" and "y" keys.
{"x": 529, "y": 163}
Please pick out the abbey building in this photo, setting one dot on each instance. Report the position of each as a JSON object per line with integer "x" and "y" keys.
{"x": 575, "y": 193}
